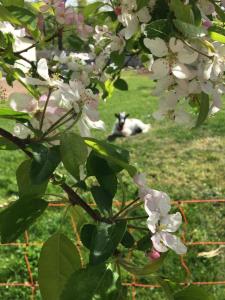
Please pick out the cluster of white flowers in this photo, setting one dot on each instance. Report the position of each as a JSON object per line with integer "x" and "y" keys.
{"x": 183, "y": 71}
{"x": 63, "y": 97}
{"x": 160, "y": 222}
{"x": 131, "y": 17}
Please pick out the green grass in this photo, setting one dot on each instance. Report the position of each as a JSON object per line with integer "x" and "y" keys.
{"x": 187, "y": 164}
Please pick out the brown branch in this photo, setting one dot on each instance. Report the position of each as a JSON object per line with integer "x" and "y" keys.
{"x": 17, "y": 141}
{"x": 75, "y": 199}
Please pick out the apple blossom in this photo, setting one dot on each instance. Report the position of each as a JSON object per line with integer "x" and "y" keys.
{"x": 160, "y": 222}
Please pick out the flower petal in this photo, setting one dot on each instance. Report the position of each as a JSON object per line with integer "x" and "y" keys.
{"x": 163, "y": 84}
{"x": 181, "y": 71}
{"x": 42, "y": 69}
{"x": 152, "y": 221}
{"x": 21, "y": 131}
{"x": 175, "y": 45}
{"x": 143, "y": 15}
{"x": 131, "y": 28}
{"x": 160, "y": 68}
{"x": 22, "y": 102}
{"x": 157, "y": 46}
{"x": 22, "y": 65}
{"x": 157, "y": 201}
{"x": 171, "y": 222}
{"x": 157, "y": 243}
{"x": 140, "y": 179}
{"x": 174, "y": 243}
{"x": 217, "y": 102}
{"x": 187, "y": 56}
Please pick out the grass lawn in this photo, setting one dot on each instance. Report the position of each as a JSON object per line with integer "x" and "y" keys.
{"x": 187, "y": 164}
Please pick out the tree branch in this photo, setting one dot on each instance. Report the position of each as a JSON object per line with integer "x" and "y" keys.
{"x": 75, "y": 199}
{"x": 17, "y": 141}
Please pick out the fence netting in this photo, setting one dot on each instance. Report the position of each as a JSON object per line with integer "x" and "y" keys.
{"x": 134, "y": 284}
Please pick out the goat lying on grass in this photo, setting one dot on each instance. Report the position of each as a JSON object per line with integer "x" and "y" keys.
{"x": 125, "y": 126}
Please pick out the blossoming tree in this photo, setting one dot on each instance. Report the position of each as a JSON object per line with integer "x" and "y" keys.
{"x": 182, "y": 44}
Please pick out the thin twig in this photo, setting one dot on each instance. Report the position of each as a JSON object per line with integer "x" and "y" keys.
{"x": 196, "y": 50}
{"x": 35, "y": 44}
{"x": 137, "y": 227}
{"x": 125, "y": 208}
{"x": 45, "y": 107}
{"x": 52, "y": 127}
{"x": 132, "y": 218}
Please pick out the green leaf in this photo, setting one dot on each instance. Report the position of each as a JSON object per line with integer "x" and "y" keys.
{"x": 204, "y": 109}
{"x": 183, "y": 12}
{"x": 16, "y": 218}
{"x": 105, "y": 240}
{"x": 217, "y": 33}
{"x": 197, "y": 13}
{"x": 74, "y": 153}
{"x": 87, "y": 233}
{"x": 102, "y": 198}
{"x": 25, "y": 185}
{"x": 144, "y": 243}
{"x": 99, "y": 167}
{"x": 26, "y": 18}
{"x": 121, "y": 84}
{"x": 149, "y": 268}
{"x": 142, "y": 3}
{"x": 44, "y": 164}
{"x": 189, "y": 30}
{"x": 92, "y": 9}
{"x": 193, "y": 293}
{"x": 59, "y": 259}
{"x": 159, "y": 13}
{"x": 94, "y": 282}
{"x": 112, "y": 154}
{"x": 159, "y": 28}
{"x": 13, "y": 2}
{"x": 5, "y": 144}
{"x": 104, "y": 16}
{"x": 79, "y": 217}
{"x": 75, "y": 42}
{"x": 128, "y": 240}
{"x": 117, "y": 58}
{"x": 215, "y": 36}
{"x": 109, "y": 88}
{"x": 6, "y": 16}
{"x": 7, "y": 113}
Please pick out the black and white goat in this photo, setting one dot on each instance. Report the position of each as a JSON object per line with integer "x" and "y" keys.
{"x": 125, "y": 126}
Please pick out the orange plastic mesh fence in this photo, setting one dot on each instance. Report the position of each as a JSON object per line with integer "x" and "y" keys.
{"x": 134, "y": 284}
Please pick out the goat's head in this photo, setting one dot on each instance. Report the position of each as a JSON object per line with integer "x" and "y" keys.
{"x": 121, "y": 119}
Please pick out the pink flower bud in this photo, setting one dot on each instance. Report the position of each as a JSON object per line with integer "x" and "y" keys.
{"x": 207, "y": 24}
{"x": 154, "y": 254}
